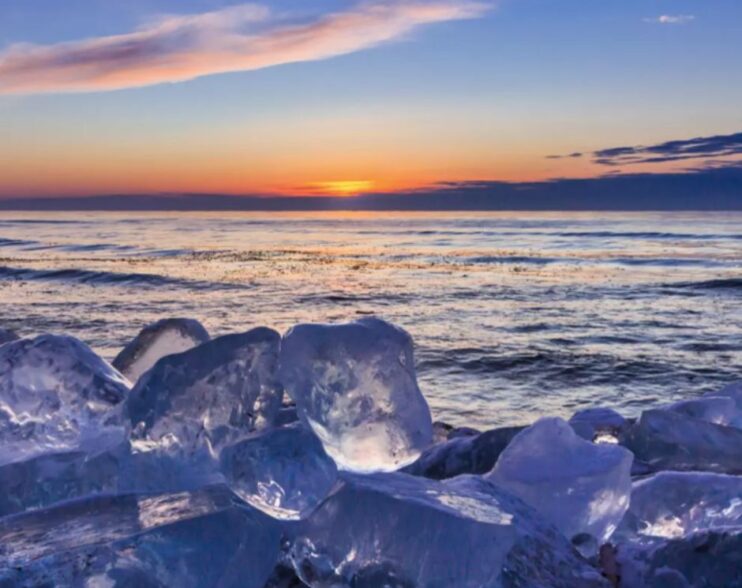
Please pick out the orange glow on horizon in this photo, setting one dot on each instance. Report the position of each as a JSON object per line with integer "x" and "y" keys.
{"x": 29, "y": 167}
{"x": 341, "y": 187}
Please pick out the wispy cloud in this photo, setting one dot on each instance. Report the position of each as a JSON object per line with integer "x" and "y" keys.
{"x": 687, "y": 149}
{"x": 240, "y": 38}
{"x": 574, "y": 155}
{"x": 671, "y": 19}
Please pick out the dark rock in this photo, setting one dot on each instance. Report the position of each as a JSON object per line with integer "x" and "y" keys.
{"x": 474, "y": 454}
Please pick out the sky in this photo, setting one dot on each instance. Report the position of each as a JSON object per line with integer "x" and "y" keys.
{"x": 343, "y": 98}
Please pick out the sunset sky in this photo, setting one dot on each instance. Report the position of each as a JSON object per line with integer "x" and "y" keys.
{"x": 329, "y": 97}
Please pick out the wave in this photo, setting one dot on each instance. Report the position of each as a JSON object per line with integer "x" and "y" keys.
{"x": 33, "y": 221}
{"x": 381, "y": 299}
{"x": 665, "y": 261}
{"x": 644, "y": 235}
{"x": 524, "y": 259}
{"x": 551, "y": 366}
{"x": 719, "y": 284}
{"x": 28, "y": 245}
{"x": 525, "y": 232}
{"x": 103, "y": 278}
{"x": 15, "y": 242}
{"x": 94, "y": 247}
{"x": 628, "y": 261}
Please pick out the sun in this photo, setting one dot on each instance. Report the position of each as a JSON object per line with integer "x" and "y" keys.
{"x": 343, "y": 187}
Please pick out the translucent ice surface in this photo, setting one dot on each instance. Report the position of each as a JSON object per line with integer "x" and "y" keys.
{"x": 407, "y": 532}
{"x": 284, "y": 472}
{"x": 581, "y": 487}
{"x": 165, "y": 337}
{"x": 57, "y": 395}
{"x": 210, "y": 395}
{"x": 122, "y": 467}
{"x": 720, "y": 410}
{"x": 354, "y": 384}
{"x": 670, "y": 505}
{"x": 188, "y": 540}
{"x": 46, "y": 479}
{"x": 669, "y": 440}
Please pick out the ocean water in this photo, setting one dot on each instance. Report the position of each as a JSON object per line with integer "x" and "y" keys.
{"x": 514, "y": 315}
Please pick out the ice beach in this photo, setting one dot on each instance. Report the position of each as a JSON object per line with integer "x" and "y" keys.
{"x": 310, "y": 458}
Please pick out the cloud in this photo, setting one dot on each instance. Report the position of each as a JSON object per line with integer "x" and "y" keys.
{"x": 717, "y": 146}
{"x": 574, "y": 155}
{"x": 240, "y": 38}
{"x": 696, "y": 148}
{"x": 671, "y": 19}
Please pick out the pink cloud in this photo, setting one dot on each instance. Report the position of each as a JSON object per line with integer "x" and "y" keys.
{"x": 241, "y": 38}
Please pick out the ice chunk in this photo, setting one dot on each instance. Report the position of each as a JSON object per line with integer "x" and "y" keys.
{"x": 57, "y": 395}
{"x": 707, "y": 559}
{"x": 47, "y": 479}
{"x": 284, "y": 472}
{"x": 6, "y": 336}
{"x": 408, "y": 532}
{"x": 122, "y": 468}
{"x": 581, "y": 487}
{"x": 599, "y": 424}
{"x": 671, "y": 505}
{"x": 668, "y": 440}
{"x": 187, "y": 540}
{"x": 733, "y": 391}
{"x": 470, "y": 454}
{"x": 355, "y": 385}
{"x": 155, "y": 341}
{"x": 213, "y": 394}
{"x": 714, "y": 409}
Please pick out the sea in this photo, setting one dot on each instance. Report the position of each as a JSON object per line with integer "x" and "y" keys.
{"x": 514, "y": 315}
